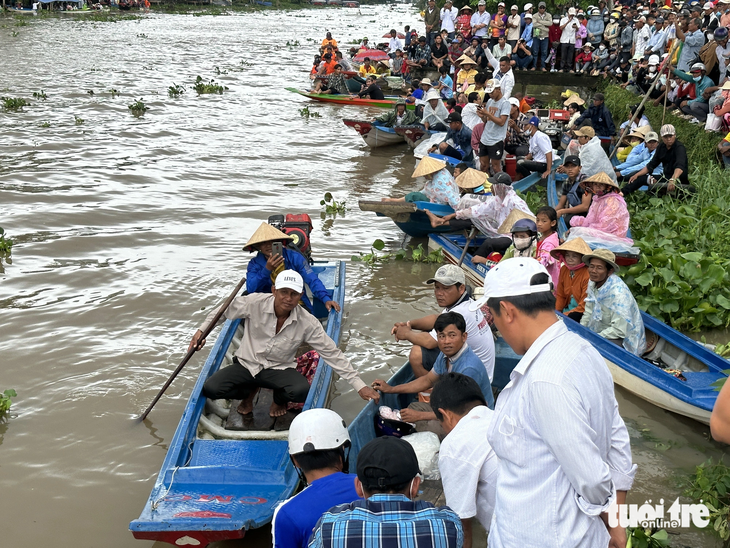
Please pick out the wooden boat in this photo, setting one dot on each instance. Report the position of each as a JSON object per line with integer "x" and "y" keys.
{"x": 374, "y": 134}
{"x": 388, "y": 102}
{"x": 411, "y": 218}
{"x": 21, "y": 11}
{"x": 216, "y": 484}
{"x": 413, "y": 134}
{"x": 692, "y": 396}
{"x": 362, "y": 428}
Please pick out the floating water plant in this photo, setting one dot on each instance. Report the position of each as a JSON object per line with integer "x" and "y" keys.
{"x": 6, "y": 401}
{"x": 78, "y": 121}
{"x": 46, "y": 124}
{"x": 14, "y": 103}
{"x": 306, "y": 113}
{"x": 138, "y": 108}
{"x": 40, "y": 95}
{"x": 6, "y": 244}
{"x": 114, "y": 92}
{"x": 203, "y": 87}
{"x": 331, "y": 206}
{"x": 175, "y": 90}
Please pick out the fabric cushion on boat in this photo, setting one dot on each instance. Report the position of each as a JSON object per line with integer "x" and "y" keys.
{"x": 416, "y": 197}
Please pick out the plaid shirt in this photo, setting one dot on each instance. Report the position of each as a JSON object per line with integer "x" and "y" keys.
{"x": 388, "y": 521}
{"x": 422, "y": 53}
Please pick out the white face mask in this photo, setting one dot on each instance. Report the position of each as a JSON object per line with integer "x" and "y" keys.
{"x": 673, "y": 84}
{"x": 521, "y": 242}
{"x": 652, "y": 69}
{"x": 601, "y": 47}
{"x": 710, "y": 37}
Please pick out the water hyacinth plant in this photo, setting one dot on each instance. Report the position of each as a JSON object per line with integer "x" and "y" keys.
{"x": 138, "y": 108}
{"x": 202, "y": 87}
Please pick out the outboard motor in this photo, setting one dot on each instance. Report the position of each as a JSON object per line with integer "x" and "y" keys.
{"x": 299, "y": 227}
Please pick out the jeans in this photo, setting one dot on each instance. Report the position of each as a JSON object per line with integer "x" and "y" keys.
{"x": 525, "y": 167}
{"x": 431, "y": 36}
{"x": 522, "y": 62}
{"x": 540, "y": 51}
{"x": 726, "y": 161}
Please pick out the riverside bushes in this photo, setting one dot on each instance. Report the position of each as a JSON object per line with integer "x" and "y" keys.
{"x": 683, "y": 276}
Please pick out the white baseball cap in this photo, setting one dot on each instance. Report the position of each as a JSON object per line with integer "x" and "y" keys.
{"x": 291, "y": 279}
{"x": 491, "y": 85}
{"x": 527, "y": 6}
{"x": 571, "y": 11}
{"x": 511, "y": 278}
{"x": 514, "y": 101}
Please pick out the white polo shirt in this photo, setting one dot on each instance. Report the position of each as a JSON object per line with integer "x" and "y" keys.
{"x": 448, "y": 18}
{"x": 540, "y": 146}
{"x": 568, "y": 34}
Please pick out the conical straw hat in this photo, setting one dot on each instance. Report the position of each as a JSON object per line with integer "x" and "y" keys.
{"x": 471, "y": 178}
{"x": 465, "y": 59}
{"x": 577, "y": 245}
{"x": 574, "y": 99}
{"x": 265, "y": 233}
{"x": 514, "y": 216}
{"x": 601, "y": 177}
{"x": 428, "y": 165}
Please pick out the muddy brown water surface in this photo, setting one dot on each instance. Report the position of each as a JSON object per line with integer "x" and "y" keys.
{"x": 126, "y": 229}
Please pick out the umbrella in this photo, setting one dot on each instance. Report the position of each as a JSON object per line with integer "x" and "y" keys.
{"x": 400, "y": 35}
{"x": 374, "y": 54}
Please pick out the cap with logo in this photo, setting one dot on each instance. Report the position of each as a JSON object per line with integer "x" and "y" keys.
{"x": 453, "y": 117}
{"x": 289, "y": 279}
{"x": 512, "y": 278}
{"x": 448, "y": 274}
{"x": 491, "y": 85}
{"x": 651, "y": 136}
{"x": 534, "y": 121}
{"x": 571, "y": 160}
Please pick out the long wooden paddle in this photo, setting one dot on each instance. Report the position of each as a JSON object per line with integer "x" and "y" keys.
{"x": 192, "y": 351}
{"x": 466, "y": 245}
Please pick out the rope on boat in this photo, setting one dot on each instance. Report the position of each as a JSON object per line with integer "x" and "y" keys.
{"x": 159, "y": 499}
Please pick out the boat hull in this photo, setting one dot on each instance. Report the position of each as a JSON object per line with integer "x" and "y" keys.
{"x": 388, "y": 102}
{"x": 410, "y": 217}
{"x": 373, "y": 134}
{"x": 216, "y": 489}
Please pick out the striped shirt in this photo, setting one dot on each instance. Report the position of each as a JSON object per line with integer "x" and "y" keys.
{"x": 388, "y": 521}
{"x": 562, "y": 445}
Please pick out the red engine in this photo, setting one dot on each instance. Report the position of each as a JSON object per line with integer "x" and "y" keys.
{"x": 299, "y": 227}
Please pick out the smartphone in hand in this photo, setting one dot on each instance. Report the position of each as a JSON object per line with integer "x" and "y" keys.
{"x": 277, "y": 248}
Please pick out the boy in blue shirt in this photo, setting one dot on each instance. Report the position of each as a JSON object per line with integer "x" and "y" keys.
{"x": 456, "y": 356}
{"x": 317, "y": 442}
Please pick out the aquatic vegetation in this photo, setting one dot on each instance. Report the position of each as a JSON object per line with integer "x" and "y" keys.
{"x": 6, "y": 244}
{"x": 40, "y": 95}
{"x": 6, "y": 401}
{"x": 141, "y": 35}
{"x": 535, "y": 198}
{"x": 78, "y": 121}
{"x": 113, "y": 92}
{"x": 90, "y": 92}
{"x": 20, "y": 21}
{"x": 203, "y": 87}
{"x": 306, "y": 113}
{"x": 711, "y": 484}
{"x": 331, "y": 206}
{"x": 418, "y": 255}
{"x": 14, "y": 103}
{"x": 293, "y": 43}
{"x": 218, "y": 71}
{"x": 14, "y": 34}
{"x": 46, "y": 124}
{"x": 175, "y": 90}
{"x": 138, "y": 108}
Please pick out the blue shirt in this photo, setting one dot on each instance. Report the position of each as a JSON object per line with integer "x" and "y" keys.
{"x": 447, "y": 92}
{"x": 295, "y": 518}
{"x": 462, "y": 142}
{"x": 467, "y": 363}
{"x": 258, "y": 277}
{"x": 637, "y": 160}
{"x": 527, "y": 35}
{"x": 388, "y": 521}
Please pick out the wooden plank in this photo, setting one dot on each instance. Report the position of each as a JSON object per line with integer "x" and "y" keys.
{"x": 388, "y": 209}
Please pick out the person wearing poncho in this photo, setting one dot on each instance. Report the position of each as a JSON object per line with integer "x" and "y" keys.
{"x": 610, "y": 308}
{"x": 440, "y": 186}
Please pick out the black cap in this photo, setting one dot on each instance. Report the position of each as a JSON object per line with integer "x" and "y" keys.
{"x": 453, "y": 117}
{"x": 571, "y": 160}
{"x": 385, "y": 462}
{"x": 500, "y": 178}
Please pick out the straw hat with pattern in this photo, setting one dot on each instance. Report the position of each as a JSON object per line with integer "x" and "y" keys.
{"x": 605, "y": 255}
{"x": 427, "y": 166}
{"x": 265, "y": 233}
{"x": 471, "y": 178}
{"x": 514, "y": 216}
{"x": 576, "y": 245}
{"x": 601, "y": 177}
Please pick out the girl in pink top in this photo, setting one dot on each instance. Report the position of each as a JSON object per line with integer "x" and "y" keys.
{"x": 547, "y": 225}
{"x": 608, "y": 213}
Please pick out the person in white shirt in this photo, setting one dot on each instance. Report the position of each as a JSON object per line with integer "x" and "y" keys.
{"x": 395, "y": 43}
{"x": 480, "y": 20}
{"x": 469, "y": 115}
{"x": 467, "y": 463}
{"x": 540, "y": 157}
{"x": 502, "y": 72}
{"x": 449, "y": 286}
{"x": 642, "y": 35}
{"x": 568, "y": 25}
{"x": 564, "y": 451}
{"x": 448, "y": 18}
{"x": 514, "y": 26}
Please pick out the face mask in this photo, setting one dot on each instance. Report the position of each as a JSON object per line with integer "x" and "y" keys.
{"x": 599, "y": 192}
{"x": 555, "y": 21}
{"x": 652, "y": 69}
{"x": 601, "y": 47}
{"x": 697, "y": 78}
{"x": 522, "y": 242}
{"x": 673, "y": 85}
{"x": 710, "y": 37}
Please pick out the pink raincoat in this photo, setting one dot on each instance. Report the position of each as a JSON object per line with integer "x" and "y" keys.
{"x": 608, "y": 213}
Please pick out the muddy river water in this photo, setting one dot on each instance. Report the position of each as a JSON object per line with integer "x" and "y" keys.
{"x": 127, "y": 228}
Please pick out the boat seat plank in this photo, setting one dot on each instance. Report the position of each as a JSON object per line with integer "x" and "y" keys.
{"x": 702, "y": 380}
{"x": 257, "y": 454}
{"x": 387, "y": 208}
{"x": 258, "y": 420}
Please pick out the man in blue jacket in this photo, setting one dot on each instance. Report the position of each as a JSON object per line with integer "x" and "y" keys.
{"x": 263, "y": 269}
{"x": 637, "y": 160}
{"x": 457, "y": 143}
{"x": 600, "y": 117}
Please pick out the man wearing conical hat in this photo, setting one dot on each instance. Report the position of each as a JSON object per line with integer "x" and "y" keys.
{"x": 263, "y": 269}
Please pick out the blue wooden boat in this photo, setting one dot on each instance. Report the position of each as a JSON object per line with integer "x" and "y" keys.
{"x": 362, "y": 429}
{"x": 216, "y": 484}
{"x": 411, "y": 218}
{"x": 693, "y": 397}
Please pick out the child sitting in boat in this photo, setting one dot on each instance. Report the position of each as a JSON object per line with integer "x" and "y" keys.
{"x": 570, "y": 293}
{"x": 546, "y": 221}
{"x": 451, "y": 330}
{"x": 440, "y": 186}
{"x": 524, "y": 239}
{"x": 610, "y": 308}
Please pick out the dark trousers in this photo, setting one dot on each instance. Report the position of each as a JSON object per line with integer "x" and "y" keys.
{"x": 658, "y": 186}
{"x": 517, "y": 150}
{"x": 453, "y": 153}
{"x": 566, "y": 56}
{"x": 491, "y": 245}
{"x": 525, "y": 167}
{"x": 235, "y": 382}
{"x": 540, "y": 50}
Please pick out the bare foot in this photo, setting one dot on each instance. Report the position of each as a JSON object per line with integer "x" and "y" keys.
{"x": 277, "y": 410}
{"x": 246, "y": 406}
{"x": 436, "y": 221}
